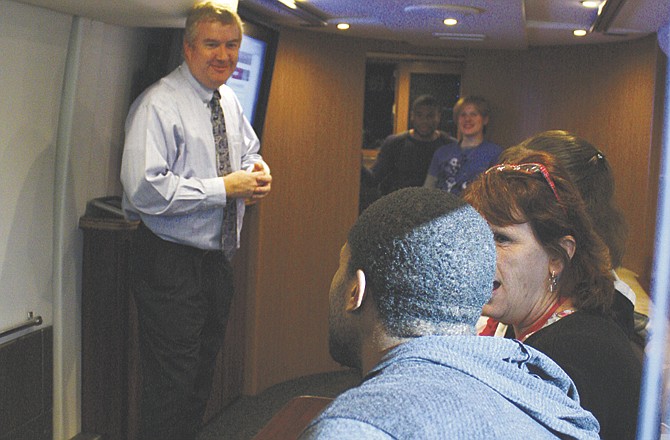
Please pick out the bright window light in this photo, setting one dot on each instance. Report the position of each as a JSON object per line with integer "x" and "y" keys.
{"x": 450, "y": 21}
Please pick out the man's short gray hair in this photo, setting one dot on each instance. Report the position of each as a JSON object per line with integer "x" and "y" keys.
{"x": 209, "y": 11}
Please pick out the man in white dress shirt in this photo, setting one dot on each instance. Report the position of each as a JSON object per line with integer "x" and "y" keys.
{"x": 190, "y": 161}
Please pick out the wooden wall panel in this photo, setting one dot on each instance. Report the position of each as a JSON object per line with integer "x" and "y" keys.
{"x": 312, "y": 141}
{"x": 497, "y": 76}
{"x": 604, "y": 93}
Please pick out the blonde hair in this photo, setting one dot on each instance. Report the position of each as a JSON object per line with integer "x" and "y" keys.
{"x": 480, "y": 104}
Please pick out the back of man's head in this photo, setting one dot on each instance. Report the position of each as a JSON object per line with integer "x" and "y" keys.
{"x": 429, "y": 261}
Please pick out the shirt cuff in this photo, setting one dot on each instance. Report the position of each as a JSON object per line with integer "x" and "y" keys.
{"x": 215, "y": 190}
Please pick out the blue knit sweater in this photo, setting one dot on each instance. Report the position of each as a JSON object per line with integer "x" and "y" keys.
{"x": 459, "y": 387}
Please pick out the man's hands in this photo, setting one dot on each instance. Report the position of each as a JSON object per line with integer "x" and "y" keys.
{"x": 252, "y": 185}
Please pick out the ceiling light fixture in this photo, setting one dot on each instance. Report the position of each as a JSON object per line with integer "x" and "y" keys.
{"x": 343, "y": 26}
{"x": 450, "y": 21}
{"x": 288, "y": 3}
{"x": 591, "y": 4}
{"x": 459, "y": 37}
{"x": 464, "y": 10}
{"x": 607, "y": 13}
{"x": 306, "y": 12}
{"x": 579, "y": 32}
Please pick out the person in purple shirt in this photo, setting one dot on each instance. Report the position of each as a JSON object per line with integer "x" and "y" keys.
{"x": 456, "y": 164}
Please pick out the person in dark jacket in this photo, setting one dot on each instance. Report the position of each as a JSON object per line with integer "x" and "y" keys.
{"x": 403, "y": 158}
{"x": 554, "y": 285}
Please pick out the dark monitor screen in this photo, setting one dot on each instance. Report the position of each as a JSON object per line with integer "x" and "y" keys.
{"x": 252, "y": 77}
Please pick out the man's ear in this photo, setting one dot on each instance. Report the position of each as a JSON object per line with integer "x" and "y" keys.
{"x": 357, "y": 293}
{"x": 186, "y": 50}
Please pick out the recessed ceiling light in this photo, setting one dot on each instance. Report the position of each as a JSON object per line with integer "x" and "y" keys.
{"x": 590, "y": 4}
{"x": 450, "y": 21}
{"x": 343, "y": 26}
{"x": 579, "y": 32}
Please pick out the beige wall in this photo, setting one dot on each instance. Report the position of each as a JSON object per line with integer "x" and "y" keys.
{"x": 312, "y": 141}
{"x": 34, "y": 43}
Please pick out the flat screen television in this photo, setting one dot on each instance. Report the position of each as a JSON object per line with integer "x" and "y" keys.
{"x": 252, "y": 77}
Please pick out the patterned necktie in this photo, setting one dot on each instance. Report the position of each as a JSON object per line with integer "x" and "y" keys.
{"x": 229, "y": 227}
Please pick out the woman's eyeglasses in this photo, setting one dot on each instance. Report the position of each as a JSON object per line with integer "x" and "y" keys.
{"x": 529, "y": 169}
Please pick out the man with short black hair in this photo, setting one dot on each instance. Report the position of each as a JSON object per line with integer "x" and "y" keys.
{"x": 414, "y": 274}
{"x": 404, "y": 158}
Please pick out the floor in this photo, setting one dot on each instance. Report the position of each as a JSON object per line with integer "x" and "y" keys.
{"x": 246, "y": 416}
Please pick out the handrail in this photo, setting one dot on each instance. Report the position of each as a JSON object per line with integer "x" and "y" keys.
{"x": 651, "y": 414}
{"x": 30, "y": 322}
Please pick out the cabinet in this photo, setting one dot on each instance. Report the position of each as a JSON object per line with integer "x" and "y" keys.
{"x": 110, "y": 363}
{"x": 111, "y": 381}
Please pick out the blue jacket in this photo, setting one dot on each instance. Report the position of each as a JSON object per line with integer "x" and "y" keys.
{"x": 459, "y": 387}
